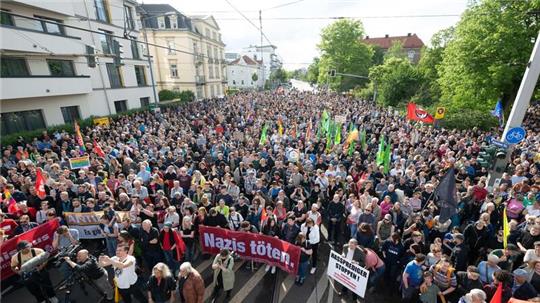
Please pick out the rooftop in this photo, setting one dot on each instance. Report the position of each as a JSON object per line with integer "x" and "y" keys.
{"x": 409, "y": 41}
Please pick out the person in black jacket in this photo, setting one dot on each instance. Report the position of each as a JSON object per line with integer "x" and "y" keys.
{"x": 88, "y": 266}
{"x": 216, "y": 219}
{"x": 468, "y": 280}
{"x": 290, "y": 230}
{"x": 336, "y": 211}
{"x": 460, "y": 253}
{"x": 522, "y": 289}
{"x": 392, "y": 251}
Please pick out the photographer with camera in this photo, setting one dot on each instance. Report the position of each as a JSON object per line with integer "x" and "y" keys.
{"x": 88, "y": 266}
{"x": 37, "y": 280}
{"x": 65, "y": 237}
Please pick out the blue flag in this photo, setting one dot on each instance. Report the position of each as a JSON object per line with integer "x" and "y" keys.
{"x": 498, "y": 112}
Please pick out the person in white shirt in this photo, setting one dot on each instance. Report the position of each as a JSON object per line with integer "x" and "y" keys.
{"x": 124, "y": 274}
{"x": 41, "y": 215}
{"x": 313, "y": 236}
{"x": 172, "y": 217}
{"x": 314, "y": 214}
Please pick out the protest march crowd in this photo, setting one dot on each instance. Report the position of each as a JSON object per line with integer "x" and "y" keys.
{"x": 305, "y": 168}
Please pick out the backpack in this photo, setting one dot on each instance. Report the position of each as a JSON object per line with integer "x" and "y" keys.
{"x": 514, "y": 209}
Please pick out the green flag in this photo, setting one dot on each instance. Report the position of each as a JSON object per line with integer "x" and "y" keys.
{"x": 380, "y": 151}
{"x": 387, "y": 157}
{"x": 325, "y": 121}
{"x": 337, "y": 137}
{"x": 352, "y": 146}
{"x": 263, "y": 139}
{"x": 363, "y": 139}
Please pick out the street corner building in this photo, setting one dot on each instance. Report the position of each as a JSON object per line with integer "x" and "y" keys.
{"x": 67, "y": 60}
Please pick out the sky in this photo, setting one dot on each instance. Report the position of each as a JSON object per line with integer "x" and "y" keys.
{"x": 296, "y": 37}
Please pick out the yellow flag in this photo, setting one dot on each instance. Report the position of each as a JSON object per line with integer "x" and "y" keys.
{"x": 117, "y": 297}
{"x": 506, "y": 229}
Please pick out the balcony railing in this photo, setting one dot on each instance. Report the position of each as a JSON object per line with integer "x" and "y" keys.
{"x": 18, "y": 87}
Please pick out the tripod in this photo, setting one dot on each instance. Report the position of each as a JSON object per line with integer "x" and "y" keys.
{"x": 80, "y": 279}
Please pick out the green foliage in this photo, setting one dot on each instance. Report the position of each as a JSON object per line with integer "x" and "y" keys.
{"x": 254, "y": 77}
{"x": 166, "y": 95}
{"x": 378, "y": 55}
{"x": 184, "y": 96}
{"x": 464, "y": 119}
{"x": 395, "y": 51}
{"x": 279, "y": 75}
{"x": 487, "y": 54}
{"x": 396, "y": 80}
{"x": 364, "y": 93}
{"x": 313, "y": 71}
{"x": 298, "y": 74}
{"x": 342, "y": 49}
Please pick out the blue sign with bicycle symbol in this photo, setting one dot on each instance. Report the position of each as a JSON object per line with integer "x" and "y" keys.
{"x": 515, "y": 135}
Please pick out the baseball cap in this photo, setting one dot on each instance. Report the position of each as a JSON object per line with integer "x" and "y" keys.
{"x": 520, "y": 272}
{"x": 23, "y": 244}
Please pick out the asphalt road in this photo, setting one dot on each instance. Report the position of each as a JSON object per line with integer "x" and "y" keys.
{"x": 256, "y": 286}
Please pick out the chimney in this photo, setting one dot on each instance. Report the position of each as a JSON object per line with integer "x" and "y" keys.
{"x": 409, "y": 34}
{"x": 386, "y": 36}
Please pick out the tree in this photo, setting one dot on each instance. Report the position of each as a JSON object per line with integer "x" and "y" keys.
{"x": 395, "y": 51}
{"x": 313, "y": 71}
{"x": 279, "y": 75}
{"x": 298, "y": 74}
{"x": 342, "y": 49}
{"x": 429, "y": 91}
{"x": 486, "y": 57}
{"x": 186, "y": 96}
{"x": 254, "y": 77}
{"x": 396, "y": 80}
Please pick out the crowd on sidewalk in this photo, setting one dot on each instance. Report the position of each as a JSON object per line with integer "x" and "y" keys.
{"x": 227, "y": 162}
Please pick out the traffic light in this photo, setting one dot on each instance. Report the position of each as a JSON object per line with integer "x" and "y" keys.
{"x": 91, "y": 56}
{"x": 499, "y": 163}
{"x": 486, "y": 156}
{"x": 332, "y": 73}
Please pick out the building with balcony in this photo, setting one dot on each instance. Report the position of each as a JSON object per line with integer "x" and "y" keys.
{"x": 193, "y": 57}
{"x": 244, "y": 73}
{"x": 266, "y": 54}
{"x": 67, "y": 60}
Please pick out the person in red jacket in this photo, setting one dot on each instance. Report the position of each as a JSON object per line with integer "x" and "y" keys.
{"x": 7, "y": 225}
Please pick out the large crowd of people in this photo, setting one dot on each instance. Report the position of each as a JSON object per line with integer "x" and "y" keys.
{"x": 205, "y": 163}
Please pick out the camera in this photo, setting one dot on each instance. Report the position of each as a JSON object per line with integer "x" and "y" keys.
{"x": 68, "y": 251}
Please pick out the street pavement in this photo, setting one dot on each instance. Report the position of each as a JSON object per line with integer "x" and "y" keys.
{"x": 301, "y": 85}
{"x": 251, "y": 285}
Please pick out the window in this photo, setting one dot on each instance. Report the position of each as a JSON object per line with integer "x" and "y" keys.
{"x": 102, "y": 12}
{"x": 46, "y": 26}
{"x": 114, "y": 75}
{"x": 212, "y": 94}
{"x": 217, "y": 71}
{"x": 207, "y": 32}
{"x": 106, "y": 42}
{"x": 129, "y": 17}
{"x": 135, "y": 48}
{"x": 21, "y": 121}
{"x": 214, "y": 35}
{"x": 176, "y": 88}
{"x": 161, "y": 22}
{"x": 171, "y": 46}
{"x": 145, "y": 101}
{"x": 209, "y": 51}
{"x": 173, "y": 21}
{"x": 234, "y": 82}
{"x": 173, "y": 68}
{"x": 210, "y": 72}
{"x": 70, "y": 113}
{"x": 140, "y": 74}
{"x": 410, "y": 54}
{"x": 242, "y": 82}
{"x": 62, "y": 68}
{"x": 14, "y": 67}
{"x": 5, "y": 18}
{"x": 120, "y": 106}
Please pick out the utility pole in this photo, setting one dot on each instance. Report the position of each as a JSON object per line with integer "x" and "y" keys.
{"x": 156, "y": 101}
{"x": 521, "y": 104}
{"x": 262, "y": 58}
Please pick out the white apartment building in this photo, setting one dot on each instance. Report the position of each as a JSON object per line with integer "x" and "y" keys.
{"x": 240, "y": 74}
{"x": 193, "y": 58}
{"x": 53, "y": 72}
{"x": 270, "y": 59}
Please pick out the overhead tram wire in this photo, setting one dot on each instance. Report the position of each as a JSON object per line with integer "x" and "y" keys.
{"x": 250, "y": 22}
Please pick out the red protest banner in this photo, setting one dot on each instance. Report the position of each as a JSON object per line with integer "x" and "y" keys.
{"x": 40, "y": 237}
{"x": 251, "y": 246}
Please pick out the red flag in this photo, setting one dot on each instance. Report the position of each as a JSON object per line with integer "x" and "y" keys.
{"x": 417, "y": 113}
{"x": 497, "y": 297}
{"x": 98, "y": 150}
{"x": 12, "y": 204}
{"x": 180, "y": 245}
{"x": 40, "y": 184}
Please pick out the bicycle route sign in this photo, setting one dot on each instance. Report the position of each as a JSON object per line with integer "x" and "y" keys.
{"x": 515, "y": 135}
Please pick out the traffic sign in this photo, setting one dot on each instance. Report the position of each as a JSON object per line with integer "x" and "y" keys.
{"x": 499, "y": 144}
{"x": 439, "y": 113}
{"x": 515, "y": 135}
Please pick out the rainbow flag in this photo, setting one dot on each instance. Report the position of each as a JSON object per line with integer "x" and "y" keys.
{"x": 11, "y": 203}
{"x": 79, "y": 162}
{"x": 79, "y": 138}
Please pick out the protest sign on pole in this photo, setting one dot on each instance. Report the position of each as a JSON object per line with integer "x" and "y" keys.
{"x": 40, "y": 237}
{"x": 348, "y": 274}
{"x": 251, "y": 246}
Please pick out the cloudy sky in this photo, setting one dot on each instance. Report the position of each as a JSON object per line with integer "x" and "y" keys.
{"x": 294, "y": 25}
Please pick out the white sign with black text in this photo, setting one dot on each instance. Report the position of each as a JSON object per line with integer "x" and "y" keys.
{"x": 350, "y": 275}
